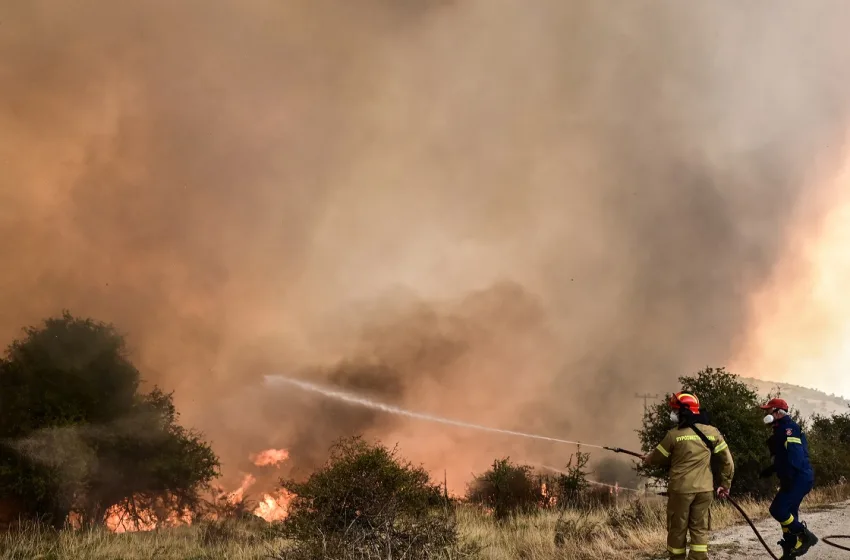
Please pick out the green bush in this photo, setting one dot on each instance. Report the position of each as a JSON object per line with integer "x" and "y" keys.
{"x": 507, "y": 489}
{"x": 829, "y": 448}
{"x": 367, "y": 502}
{"x": 733, "y": 408}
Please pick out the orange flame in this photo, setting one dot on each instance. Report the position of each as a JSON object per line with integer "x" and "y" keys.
{"x": 119, "y": 520}
{"x": 237, "y": 495}
{"x": 270, "y": 457}
{"x": 273, "y": 508}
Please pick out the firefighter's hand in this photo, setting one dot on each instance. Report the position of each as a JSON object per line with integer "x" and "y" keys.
{"x": 722, "y": 492}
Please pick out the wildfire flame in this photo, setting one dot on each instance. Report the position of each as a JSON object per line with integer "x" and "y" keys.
{"x": 273, "y": 506}
{"x": 119, "y": 520}
{"x": 270, "y": 457}
{"x": 238, "y": 495}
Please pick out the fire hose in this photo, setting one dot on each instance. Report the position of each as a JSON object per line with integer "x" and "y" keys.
{"x": 826, "y": 540}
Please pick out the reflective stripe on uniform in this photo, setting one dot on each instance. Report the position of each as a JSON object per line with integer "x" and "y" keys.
{"x": 699, "y": 548}
{"x": 672, "y": 550}
{"x": 792, "y": 440}
{"x": 663, "y": 451}
{"x": 788, "y": 521}
{"x": 721, "y": 446}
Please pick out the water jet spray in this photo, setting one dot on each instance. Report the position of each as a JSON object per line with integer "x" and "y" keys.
{"x": 353, "y": 399}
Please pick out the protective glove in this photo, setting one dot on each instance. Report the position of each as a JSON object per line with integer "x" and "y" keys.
{"x": 767, "y": 472}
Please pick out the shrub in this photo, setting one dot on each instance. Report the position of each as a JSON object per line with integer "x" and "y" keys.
{"x": 506, "y": 489}
{"x": 572, "y": 486}
{"x": 829, "y": 448}
{"x": 367, "y": 502}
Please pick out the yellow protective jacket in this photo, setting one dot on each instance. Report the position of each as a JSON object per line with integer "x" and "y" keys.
{"x": 691, "y": 461}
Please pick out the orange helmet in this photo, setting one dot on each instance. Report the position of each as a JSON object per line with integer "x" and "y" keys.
{"x": 685, "y": 400}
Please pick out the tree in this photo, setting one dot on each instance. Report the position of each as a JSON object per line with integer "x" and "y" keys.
{"x": 79, "y": 436}
{"x": 367, "y": 502}
{"x": 732, "y": 407}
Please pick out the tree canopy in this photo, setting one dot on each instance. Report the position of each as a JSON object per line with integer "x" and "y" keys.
{"x": 78, "y": 435}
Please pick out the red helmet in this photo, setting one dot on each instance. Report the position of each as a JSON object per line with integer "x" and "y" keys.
{"x": 685, "y": 400}
{"x": 774, "y": 404}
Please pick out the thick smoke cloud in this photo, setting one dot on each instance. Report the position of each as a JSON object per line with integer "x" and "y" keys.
{"x": 509, "y": 213}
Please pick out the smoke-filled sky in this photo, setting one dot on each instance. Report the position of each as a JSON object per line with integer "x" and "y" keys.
{"x": 512, "y": 213}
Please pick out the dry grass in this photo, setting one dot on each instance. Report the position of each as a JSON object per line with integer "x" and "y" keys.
{"x": 632, "y": 529}
{"x": 183, "y": 543}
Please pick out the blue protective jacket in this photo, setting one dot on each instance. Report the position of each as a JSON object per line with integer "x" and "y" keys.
{"x": 790, "y": 452}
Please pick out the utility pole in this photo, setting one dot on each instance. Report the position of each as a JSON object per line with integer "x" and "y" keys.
{"x": 446, "y": 490}
{"x": 646, "y": 397}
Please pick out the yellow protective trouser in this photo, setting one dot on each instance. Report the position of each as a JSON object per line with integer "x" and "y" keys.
{"x": 689, "y": 513}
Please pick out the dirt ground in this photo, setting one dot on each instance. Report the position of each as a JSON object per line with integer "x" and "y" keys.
{"x": 739, "y": 542}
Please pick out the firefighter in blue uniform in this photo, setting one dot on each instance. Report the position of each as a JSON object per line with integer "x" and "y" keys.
{"x": 790, "y": 452}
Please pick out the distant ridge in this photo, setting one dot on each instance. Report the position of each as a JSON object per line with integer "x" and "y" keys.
{"x": 807, "y": 401}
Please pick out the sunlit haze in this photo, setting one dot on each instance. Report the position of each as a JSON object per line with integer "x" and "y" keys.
{"x": 801, "y": 330}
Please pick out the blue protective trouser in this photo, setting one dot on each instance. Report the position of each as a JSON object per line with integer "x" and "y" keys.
{"x": 786, "y": 506}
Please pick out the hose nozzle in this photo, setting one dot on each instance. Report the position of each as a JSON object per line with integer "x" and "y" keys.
{"x": 626, "y": 451}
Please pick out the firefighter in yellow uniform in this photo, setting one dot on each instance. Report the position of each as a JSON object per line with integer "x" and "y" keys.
{"x": 691, "y": 450}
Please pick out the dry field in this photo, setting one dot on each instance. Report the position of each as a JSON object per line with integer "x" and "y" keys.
{"x": 634, "y": 529}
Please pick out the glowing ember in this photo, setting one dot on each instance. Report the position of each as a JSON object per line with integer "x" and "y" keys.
{"x": 270, "y": 457}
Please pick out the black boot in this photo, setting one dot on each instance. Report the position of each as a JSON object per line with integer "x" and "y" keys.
{"x": 798, "y": 544}
{"x": 787, "y": 549}
{"x": 808, "y": 540}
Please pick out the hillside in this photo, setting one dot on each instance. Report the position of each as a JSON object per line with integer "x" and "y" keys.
{"x": 807, "y": 401}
